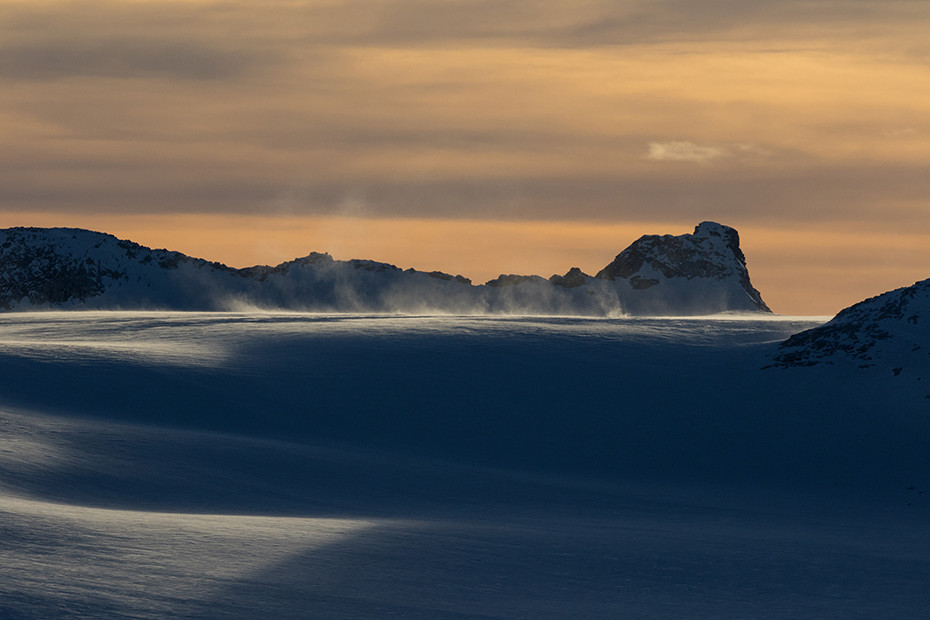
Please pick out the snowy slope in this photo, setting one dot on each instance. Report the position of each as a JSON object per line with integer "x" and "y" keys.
{"x": 267, "y": 464}
{"x": 69, "y": 268}
{"x": 61, "y": 268}
{"x": 882, "y": 337}
{"x": 246, "y": 464}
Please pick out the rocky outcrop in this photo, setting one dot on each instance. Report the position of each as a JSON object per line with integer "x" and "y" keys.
{"x": 441, "y": 275}
{"x": 573, "y": 279}
{"x": 509, "y": 279}
{"x": 61, "y": 267}
{"x": 888, "y": 330}
{"x": 711, "y": 253}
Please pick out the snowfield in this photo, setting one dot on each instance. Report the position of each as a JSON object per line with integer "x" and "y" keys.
{"x": 170, "y": 464}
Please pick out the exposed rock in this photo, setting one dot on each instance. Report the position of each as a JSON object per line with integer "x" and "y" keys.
{"x": 444, "y": 276}
{"x": 885, "y": 329}
{"x": 641, "y": 284}
{"x": 574, "y": 278}
{"x": 34, "y": 272}
{"x": 370, "y": 265}
{"x": 512, "y": 280}
{"x": 712, "y": 252}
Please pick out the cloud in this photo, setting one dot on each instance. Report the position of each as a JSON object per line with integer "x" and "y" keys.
{"x": 684, "y": 151}
{"x": 597, "y": 23}
{"x": 120, "y": 58}
{"x": 541, "y": 23}
{"x": 465, "y": 108}
{"x": 899, "y": 133}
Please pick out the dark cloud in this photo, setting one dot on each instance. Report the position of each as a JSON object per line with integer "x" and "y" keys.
{"x": 224, "y": 41}
{"x": 843, "y": 194}
{"x": 623, "y": 22}
{"x": 839, "y": 193}
{"x": 297, "y": 136}
{"x": 164, "y": 59}
{"x": 542, "y": 23}
{"x": 587, "y": 23}
{"x": 159, "y": 194}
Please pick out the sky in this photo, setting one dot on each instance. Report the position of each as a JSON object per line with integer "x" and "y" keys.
{"x": 480, "y": 136}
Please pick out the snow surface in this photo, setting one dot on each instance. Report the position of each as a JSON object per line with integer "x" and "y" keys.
{"x": 344, "y": 466}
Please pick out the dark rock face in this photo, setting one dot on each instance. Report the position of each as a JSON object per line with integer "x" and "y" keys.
{"x": 641, "y": 284}
{"x": 375, "y": 266}
{"x": 64, "y": 266}
{"x": 573, "y": 279}
{"x": 711, "y": 252}
{"x": 40, "y": 274}
{"x": 261, "y": 272}
{"x": 511, "y": 280}
{"x": 447, "y": 277}
{"x": 684, "y": 256}
{"x": 60, "y": 282}
{"x": 888, "y": 327}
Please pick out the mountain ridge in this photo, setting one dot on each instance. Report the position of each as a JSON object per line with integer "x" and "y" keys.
{"x": 68, "y": 268}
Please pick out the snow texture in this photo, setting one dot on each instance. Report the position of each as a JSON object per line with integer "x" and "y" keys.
{"x": 246, "y": 464}
{"x": 885, "y": 335}
{"x": 61, "y": 268}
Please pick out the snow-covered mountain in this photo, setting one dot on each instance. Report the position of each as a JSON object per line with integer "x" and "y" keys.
{"x": 888, "y": 332}
{"x": 706, "y": 268}
{"x": 700, "y": 273}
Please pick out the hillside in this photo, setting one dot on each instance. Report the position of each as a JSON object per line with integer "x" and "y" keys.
{"x": 885, "y": 334}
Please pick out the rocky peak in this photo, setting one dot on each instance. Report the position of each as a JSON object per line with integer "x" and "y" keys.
{"x": 711, "y": 252}
{"x": 729, "y": 236}
{"x": 573, "y": 279}
{"x": 314, "y": 258}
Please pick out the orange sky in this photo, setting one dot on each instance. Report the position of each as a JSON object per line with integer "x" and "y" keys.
{"x": 479, "y": 137}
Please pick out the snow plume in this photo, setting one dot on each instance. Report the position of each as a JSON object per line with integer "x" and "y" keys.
{"x": 528, "y": 295}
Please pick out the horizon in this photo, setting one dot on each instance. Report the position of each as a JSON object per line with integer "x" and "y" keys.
{"x": 480, "y": 138}
{"x": 516, "y": 241}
